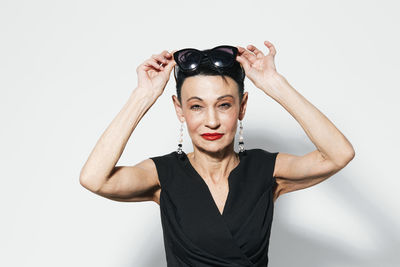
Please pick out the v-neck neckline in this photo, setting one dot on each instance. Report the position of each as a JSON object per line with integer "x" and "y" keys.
{"x": 190, "y": 167}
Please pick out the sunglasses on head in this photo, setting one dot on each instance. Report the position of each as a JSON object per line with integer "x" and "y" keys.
{"x": 188, "y": 59}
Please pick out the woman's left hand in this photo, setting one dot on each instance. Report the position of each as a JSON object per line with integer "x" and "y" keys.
{"x": 260, "y": 69}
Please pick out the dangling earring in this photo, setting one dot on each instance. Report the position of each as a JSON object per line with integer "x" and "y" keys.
{"x": 179, "y": 150}
{"x": 241, "y": 143}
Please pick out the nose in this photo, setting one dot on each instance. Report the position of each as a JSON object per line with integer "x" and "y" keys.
{"x": 212, "y": 120}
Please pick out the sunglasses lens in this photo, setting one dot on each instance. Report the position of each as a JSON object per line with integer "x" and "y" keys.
{"x": 223, "y": 56}
{"x": 188, "y": 59}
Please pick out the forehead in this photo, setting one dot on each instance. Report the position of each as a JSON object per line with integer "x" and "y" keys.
{"x": 208, "y": 87}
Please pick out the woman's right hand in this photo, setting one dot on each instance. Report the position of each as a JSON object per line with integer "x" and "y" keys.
{"x": 153, "y": 74}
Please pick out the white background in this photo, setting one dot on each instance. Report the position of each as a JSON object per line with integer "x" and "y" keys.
{"x": 68, "y": 67}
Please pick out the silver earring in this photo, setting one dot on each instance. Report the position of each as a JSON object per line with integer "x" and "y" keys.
{"x": 179, "y": 150}
{"x": 241, "y": 143}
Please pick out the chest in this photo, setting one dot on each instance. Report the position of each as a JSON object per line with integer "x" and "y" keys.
{"x": 219, "y": 193}
{"x": 216, "y": 218}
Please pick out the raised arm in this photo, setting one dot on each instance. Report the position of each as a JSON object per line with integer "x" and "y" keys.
{"x": 333, "y": 151}
{"x": 128, "y": 183}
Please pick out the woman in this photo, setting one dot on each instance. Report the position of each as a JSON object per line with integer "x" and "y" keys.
{"x": 216, "y": 205}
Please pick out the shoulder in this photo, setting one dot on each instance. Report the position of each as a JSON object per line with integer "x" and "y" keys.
{"x": 164, "y": 160}
{"x": 165, "y": 164}
{"x": 262, "y": 160}
{"x": 164, "y": 157}
{"x": 162, "y": 164}
{"x": 262, "y": 155}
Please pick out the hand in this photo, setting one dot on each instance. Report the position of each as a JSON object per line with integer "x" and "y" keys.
{"x": 153, "y": 74}
{"x": 260, "y": 69}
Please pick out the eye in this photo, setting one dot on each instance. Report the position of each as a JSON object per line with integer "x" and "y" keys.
{"x": 227, "y": 105}
{"x": 195, "y": 107}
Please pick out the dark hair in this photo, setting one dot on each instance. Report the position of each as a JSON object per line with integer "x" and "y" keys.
{"x": 236, "y": 72}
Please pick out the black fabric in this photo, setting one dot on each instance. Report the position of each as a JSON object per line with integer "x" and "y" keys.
{"x": 195, "y": 232}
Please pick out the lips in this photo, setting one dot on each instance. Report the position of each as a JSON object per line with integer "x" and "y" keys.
{"x": 212, "y": 136}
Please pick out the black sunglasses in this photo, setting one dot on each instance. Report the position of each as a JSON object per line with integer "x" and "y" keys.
{"x": 188, "y": 59}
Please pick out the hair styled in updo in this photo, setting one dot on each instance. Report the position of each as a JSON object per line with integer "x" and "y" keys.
{"x": 236, "y": 72}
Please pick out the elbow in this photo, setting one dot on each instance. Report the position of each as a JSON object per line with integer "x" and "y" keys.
{"x": 84, "y": 182}
{"x": 352, "y": 155}
{"x": 349, "y": 156}
{"x": 88, "y": 183}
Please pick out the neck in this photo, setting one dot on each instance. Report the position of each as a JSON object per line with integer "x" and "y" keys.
{"x": 214, "y": 165}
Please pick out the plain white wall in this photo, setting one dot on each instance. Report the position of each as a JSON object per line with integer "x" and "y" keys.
{"x": 68, "y": 67}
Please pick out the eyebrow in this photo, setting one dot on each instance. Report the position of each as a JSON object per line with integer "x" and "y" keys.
{"x": 196, "y": 97}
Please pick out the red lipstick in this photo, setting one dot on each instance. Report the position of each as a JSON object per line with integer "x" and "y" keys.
{"x": 212, "y": 136}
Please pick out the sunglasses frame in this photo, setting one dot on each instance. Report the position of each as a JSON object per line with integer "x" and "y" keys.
{"x": 204, "y": 53}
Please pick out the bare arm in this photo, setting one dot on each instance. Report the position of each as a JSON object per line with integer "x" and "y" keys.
{"x": 329, "y": 140}
{"x": 128, "y": 183}
{"x": 333, "y": 150}
{"x": 108, "y": 149}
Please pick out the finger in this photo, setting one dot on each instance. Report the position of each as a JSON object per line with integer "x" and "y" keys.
{"x": 166, "y": 54}
{"x": 244, "y": 61}
{"x": 256, "y": 51}
{"x": 153, "y": 63}
{"x": 240, "y": 49}
{"x": 247, "y": 54}
{"x": 170, "y": 65}
{"x": 166, "y": 58}
{"x": 172, "y": 54}
{"x": 159, "y": 58}
{"x": 144, "y": 66}
{"x": 147, "y": 67}
{"x": 271, "y": 48}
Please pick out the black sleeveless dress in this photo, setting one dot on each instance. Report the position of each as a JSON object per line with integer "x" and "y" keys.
{"x": 196, "y": 233}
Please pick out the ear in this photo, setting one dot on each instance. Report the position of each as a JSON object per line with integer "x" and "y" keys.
{"x": 178, "y": 108}
{"x": 243, "y": 106}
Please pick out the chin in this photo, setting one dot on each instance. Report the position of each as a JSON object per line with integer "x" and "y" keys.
{"x": 213, "y": 147}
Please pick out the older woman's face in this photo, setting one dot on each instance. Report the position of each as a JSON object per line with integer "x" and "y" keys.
{"x": 210, "y": 105}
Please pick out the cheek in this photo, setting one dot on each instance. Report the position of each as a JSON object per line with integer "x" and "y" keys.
{"x": 233, "y": 126}
{"x": 230, "y": 121}
{"x": 193, "y": 122}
